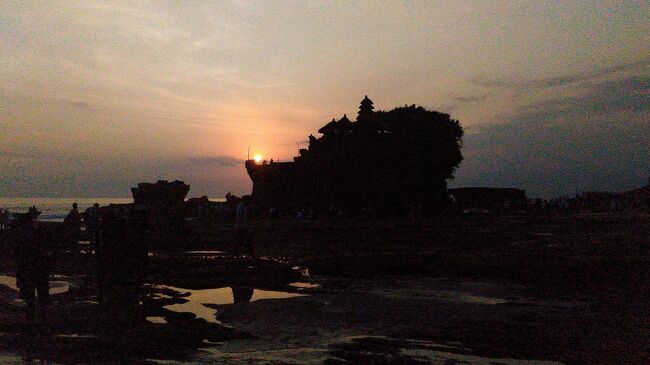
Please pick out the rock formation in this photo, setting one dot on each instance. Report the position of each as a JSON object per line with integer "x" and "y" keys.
{"x": 387, "y": 161}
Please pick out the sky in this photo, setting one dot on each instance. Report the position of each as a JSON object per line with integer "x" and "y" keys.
{"x": 98, "y": 96}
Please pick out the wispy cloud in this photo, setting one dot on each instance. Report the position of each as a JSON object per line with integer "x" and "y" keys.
{"x": 470, "y": 99}
{"x": 19, "y": 155}
{"x": 81, "y": 105}
{"x": 643, "y": 63}
{"x": 594, "y": 141}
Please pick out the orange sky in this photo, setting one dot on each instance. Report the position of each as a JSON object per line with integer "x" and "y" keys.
{"x": 97, "y": 96}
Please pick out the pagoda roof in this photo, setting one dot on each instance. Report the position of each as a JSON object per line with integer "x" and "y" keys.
{"x": 344, "y": 122}
{"x": 366, "y": 99}
{"x": 329, "y": 127}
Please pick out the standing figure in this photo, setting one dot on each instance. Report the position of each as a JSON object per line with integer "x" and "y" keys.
{"x": 72, "y": 224}
{"x": 242, "y": 294}
{"x": 242, "y": 226}
{"x": 138, "y": 251}
{"x": 91, "y": 219}
{"x": 4, "y": 219}
{"x": 34, "y": 256}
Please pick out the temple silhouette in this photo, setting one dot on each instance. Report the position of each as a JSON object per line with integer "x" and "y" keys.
{"x": 384, "y": 161}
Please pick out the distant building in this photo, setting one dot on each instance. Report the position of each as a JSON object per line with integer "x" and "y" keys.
{"x": 385, "y": 161}
{"x": 636, "y": 200}
{"x": 489, "y": 199}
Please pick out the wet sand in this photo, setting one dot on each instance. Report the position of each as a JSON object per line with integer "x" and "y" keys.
{"x": 476, "y": 289}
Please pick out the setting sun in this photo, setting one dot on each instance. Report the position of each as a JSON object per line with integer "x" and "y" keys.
{"x": 257, "y": 158}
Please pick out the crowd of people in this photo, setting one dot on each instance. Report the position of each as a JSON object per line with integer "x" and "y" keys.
{"x": 105, "y": 247}
{"x": 115, "y": 254}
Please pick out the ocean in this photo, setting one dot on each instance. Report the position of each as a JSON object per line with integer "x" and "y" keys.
{"x": 55, "y": 209}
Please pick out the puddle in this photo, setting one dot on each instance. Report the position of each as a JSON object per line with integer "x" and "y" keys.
{"x": 74, "y": 335}
{"x": 220, "y": 296}
{"x": 434, "y": 353}
{"x": 157, "y": 320}
{"x": 303, "y": 285}
{"x": 8, "y": 281}
{"x": 56, "y": 287}
{"x": 208, "y": 342}
{"x": 204, "y": 252}
{"x": 59, "y": 287}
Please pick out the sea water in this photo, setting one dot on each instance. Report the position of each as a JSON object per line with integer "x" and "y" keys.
{"x": 55, "y": 209}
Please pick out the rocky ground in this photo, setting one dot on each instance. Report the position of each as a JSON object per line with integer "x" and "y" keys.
{"x": 483, "y": 289}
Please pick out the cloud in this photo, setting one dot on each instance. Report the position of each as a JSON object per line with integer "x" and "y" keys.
{"x": 470, "y": 99}
{"x": 613, "y": 96}
{"x": 597, "y": 140}
{"x": 81, "y": 105}
{"x": 19, "y": 155}
{"x": 560, "y": 80}
{"x": 458, "y": 102}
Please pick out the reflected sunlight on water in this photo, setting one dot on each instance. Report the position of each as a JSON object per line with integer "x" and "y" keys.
{"x": 219, "y": 296}
{"x": 56, "y": 287}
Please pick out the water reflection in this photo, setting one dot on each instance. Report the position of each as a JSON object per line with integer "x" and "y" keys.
{"x": 205, "y": 252}
{"x": 242, "y": 294}
{"x": 8, "y": 281}
{"x": 304, "y": 285}
{"x": 220, "y": 296}
{"x": 56, "y": 287}
{"x": 157, "y": 320}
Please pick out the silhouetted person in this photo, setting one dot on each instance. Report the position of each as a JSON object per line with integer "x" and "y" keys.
{"x": 91, "y": 219}
{"x": 122, "y": 257}
{"x": 137, "y": 225}
{"x": 242, "y": 294}
{"x": 112, "y": 230}
{"x": 72, "y": 224}
{"x": 243, "y": 236}
{"x": 33, "y": 255}
{"x": 4, "y": 218}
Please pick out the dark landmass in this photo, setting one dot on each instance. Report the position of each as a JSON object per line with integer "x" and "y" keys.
{"x": 571, "y": 289}
{"x": 386, "y": 162}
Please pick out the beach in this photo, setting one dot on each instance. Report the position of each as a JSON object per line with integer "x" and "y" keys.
{"x": 477, "y": 289}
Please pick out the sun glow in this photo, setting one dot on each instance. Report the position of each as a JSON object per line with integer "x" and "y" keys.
{"x": 257, "y": 158}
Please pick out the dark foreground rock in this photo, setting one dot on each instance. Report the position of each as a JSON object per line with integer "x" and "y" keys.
{"x": 472, "y": 289}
